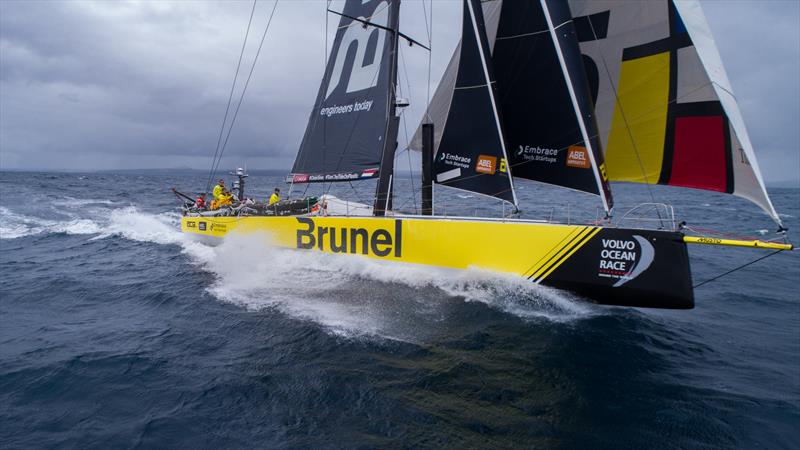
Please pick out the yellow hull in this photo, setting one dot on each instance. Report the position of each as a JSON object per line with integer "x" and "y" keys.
{"x": 516, "y": 248}
{"x": 607, "y": 265}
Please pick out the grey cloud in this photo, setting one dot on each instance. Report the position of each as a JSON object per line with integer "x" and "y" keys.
{"x": 93, "y": 84}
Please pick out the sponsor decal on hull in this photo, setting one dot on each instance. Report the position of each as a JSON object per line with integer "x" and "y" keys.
{"x": 354, "y": 240}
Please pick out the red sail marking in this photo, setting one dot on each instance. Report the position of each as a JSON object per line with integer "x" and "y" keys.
{"x": 699, "y": 155}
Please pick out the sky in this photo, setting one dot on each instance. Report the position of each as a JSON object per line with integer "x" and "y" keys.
{"x": 88, "y": 85}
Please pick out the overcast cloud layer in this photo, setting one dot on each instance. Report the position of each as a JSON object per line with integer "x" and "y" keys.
{"x": 107, "y": 85}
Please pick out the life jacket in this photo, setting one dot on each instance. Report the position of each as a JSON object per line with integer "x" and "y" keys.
{"x": 274, "y": 198}
{"x": 200, "y": 202}
{"x": 217, "y": 192}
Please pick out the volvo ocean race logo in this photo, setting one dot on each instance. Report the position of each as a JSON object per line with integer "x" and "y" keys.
{"x": 363, "y": 70}
{"x": 625, "y": 259}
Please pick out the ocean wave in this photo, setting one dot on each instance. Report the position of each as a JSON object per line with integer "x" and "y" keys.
{"x": 13, "y": 225}
{"x": 340, "y": 292}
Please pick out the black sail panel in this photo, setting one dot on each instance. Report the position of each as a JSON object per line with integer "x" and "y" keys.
{"x": 545, "y": 100}
{"x": 345, "y": 135}
{"x": 471, "y": 153}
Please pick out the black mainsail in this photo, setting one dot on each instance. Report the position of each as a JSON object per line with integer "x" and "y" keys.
{"x": 351, "y": 122}
{"x": 471, "y": 153}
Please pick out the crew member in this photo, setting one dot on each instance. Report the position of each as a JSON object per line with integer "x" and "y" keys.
{"x": 275, "y": 197}
{"x": 219, "y": 189}
{"x": 225, "y": 199}
{"x": 200, "y": 203}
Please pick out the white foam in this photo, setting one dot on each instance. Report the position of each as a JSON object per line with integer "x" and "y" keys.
{"x": 72, "y": 202}
{"x": 13, "y": 225}
{"x": 133, "y": 224}
{"x": 329, "y": 289}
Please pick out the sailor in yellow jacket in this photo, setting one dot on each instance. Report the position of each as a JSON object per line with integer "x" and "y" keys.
{"x": 221, "y": 196}
{"x": 275, "y": 197}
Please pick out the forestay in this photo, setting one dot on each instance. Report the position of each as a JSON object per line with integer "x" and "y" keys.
{"x": 349, "y": 123}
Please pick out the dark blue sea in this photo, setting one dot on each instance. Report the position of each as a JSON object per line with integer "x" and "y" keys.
{"x": 117, "y": 331}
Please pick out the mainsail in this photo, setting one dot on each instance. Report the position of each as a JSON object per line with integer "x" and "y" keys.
{"x": 350, "y": 123}
{"x": 663, "y": 101}
{"x": 471, "y": 153}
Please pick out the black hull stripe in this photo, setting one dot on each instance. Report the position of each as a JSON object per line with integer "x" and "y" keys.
{"x": 553, "y": 252}
{"x": 560, "y": 253}
{"x": 584, "y": 238}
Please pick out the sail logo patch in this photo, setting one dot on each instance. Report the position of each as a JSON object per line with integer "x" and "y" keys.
{"x": 531, "y": 153}
{"x": 299, "y": 178}
{"x": 578, "y": 156}
{"x": 455, "y": 160}
{"x": 367, "y": 62}
{"x": 625, "y": 259}
{"x": 486, "y": 164}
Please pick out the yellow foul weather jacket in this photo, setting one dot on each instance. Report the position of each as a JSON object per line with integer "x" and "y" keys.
{"x": 274, "y": 198}
{"x": 217, "y": 192}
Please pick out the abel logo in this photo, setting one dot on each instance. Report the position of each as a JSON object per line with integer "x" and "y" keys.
{"x": 486, "y": 164}
{"x": 577, "y": 156}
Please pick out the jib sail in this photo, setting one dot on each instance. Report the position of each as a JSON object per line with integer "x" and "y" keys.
{"x": 349, "y": 123}
{"x": 664, "y": 105}
{"x": 542, "y": 95}
{"x": 547, "y": 110}
{"x": 471, "y": 152}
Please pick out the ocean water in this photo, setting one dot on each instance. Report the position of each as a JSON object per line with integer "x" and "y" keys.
{"x": 117, "y": 331}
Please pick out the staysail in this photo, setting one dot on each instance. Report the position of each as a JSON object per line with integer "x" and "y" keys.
{"x": 471, "y": 153}
{"x": 663, "y": 102}
{"x": 542, "y": 94}
{"x": 350, "y": 121}
{"x": 548, "y": 115}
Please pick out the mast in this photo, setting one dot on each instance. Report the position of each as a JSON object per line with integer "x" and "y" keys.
{"x": 383, "y": 192}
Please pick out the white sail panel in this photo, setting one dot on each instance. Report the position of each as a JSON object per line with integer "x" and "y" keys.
{"x": 749, "y": 181}
{"x": 663, "y": 102}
